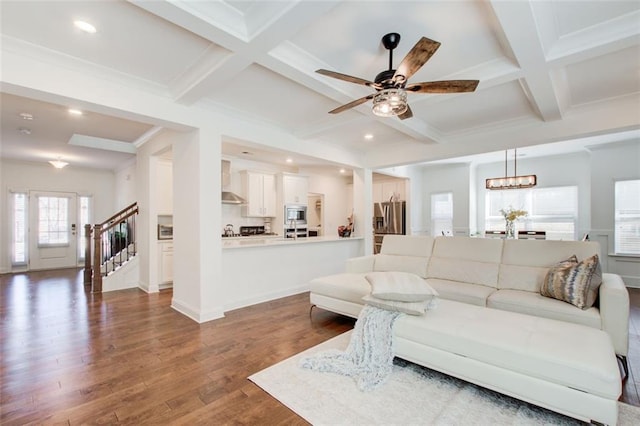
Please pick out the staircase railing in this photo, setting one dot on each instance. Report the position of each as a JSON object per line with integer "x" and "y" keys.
{"x": 114, "y": 243}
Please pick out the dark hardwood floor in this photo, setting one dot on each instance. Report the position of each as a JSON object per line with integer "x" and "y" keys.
{"x": 72, "y": 357}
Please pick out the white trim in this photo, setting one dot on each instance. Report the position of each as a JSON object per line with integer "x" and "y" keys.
{"x": 194, "y": 313}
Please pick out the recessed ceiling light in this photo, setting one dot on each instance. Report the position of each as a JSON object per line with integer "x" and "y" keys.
{"x": 26, "y": 116}
{"x": 74, "y": 111}
{"x": 289, "y": 160}
{"x": 342, "y": 170}
{"x": 85, "y": 26}
{"x": 24, "y": 131}
{"x": 368, "y": 136}
{"x": 59, "y": 164}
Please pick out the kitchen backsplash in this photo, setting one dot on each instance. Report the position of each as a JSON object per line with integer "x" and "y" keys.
{"x": 232, "y": 214}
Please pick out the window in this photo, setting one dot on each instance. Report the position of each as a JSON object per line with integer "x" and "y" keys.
{"x": 442, "y": 214}
{"x": 627, "y": 217}
{"x": 19, "y": 228}
{"x": 84, "y": 219}
{"x": 53, "y": 221}
{"x": 553, "y": 210}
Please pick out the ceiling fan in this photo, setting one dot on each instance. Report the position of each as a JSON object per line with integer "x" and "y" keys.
{"x": 391, "y": 85}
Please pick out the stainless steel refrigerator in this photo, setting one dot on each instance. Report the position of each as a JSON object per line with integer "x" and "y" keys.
{"x": 389, "y": 217}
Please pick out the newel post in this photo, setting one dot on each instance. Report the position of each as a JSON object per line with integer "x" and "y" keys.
{"x": 97, "y": 259}
{"x": 87, "y": 254}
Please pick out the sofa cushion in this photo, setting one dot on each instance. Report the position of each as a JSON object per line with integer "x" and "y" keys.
{"x": 410, "y": 308}
{"x": 400, "y": 286}
{"x": 405, "y": 245}
{"x": 466, "y": 271}
{"x": 574, "y": 282}
{"x": 470, "y": 260}
{"x": 526, "y": 302}
{"x": 462, "y": 292}
{"x": 348, "y": 287}
{"x": 525, "y": 263}
{"x": 391, "y": 262}
{"x": 485, "y": 250}
{"x": 517, "y": 277}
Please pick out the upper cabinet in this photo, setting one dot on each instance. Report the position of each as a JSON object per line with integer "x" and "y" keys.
{"x": 385, "y": 190}
{"x": 165, "y": 187}
{"x": 260, "y": 192}
{"x": 295, "y": 189}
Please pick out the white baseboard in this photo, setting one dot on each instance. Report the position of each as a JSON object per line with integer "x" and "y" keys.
{"x": 194, "y": 313}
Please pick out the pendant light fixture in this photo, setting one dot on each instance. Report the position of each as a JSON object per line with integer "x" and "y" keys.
{"x": 511, "y": 182}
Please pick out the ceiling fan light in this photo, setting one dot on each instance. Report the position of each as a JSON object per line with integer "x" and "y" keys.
{"x": 390, "y": 102}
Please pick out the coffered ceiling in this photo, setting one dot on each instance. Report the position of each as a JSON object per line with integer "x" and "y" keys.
{"x": 549, "y": 71}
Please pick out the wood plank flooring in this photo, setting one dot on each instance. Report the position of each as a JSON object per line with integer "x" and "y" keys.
{"x": 125, "y": 357}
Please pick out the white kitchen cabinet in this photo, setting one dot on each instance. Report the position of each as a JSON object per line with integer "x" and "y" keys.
{"x": 165, "y": 187}
{"x": 295, "y": 189}
{"x": 166, "y": 262}
{"x": 260, "y": 192}
{"x": 384, "y": 190}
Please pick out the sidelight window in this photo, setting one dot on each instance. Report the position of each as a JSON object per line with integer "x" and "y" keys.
{"x": 19, "y": 228}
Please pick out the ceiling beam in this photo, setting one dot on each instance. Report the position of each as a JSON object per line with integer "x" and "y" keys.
{"x": 517, "y": 19}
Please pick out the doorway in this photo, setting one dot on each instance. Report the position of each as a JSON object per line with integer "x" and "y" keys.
{"x": 52, "y": 230}
{"x": 315, "y": 214}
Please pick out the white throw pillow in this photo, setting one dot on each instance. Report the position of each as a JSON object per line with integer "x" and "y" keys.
{"x": 400, "y": 286}
{"x": 411, "y": 308}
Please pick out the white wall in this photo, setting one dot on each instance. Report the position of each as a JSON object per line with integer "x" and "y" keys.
{"x": 24, "y": 176}
{"x": 125, "y": 183}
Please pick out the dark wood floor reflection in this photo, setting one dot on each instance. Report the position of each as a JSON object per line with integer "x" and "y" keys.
{"x": 71, "y": 357}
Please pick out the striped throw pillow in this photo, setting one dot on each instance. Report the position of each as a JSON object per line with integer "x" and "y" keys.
{"x": 574, "y": 282}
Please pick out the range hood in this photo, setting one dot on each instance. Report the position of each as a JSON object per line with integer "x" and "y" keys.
{"x": 227, "y": 196}
{"x": 231, "y": 198}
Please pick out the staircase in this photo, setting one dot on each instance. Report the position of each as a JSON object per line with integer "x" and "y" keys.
{"x": 114, "y": 247}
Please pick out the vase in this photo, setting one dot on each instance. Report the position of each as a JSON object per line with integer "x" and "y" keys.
{"x": 510, "y": 229}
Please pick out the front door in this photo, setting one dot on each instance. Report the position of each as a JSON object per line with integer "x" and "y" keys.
{"x": 52, "y": 231}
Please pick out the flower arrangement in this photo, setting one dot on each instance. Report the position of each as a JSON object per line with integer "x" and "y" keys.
{"x": 512, "y": 214}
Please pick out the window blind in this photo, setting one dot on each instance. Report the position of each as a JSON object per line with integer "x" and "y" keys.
{"x": 627, "y": 217}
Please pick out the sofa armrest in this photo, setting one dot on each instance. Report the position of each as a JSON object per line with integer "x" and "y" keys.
{"x": 614, "y": 311}
{"x": 360, "y": 264}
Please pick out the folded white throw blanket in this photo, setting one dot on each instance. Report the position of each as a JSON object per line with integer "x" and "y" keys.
{"x": 369, "y": 356}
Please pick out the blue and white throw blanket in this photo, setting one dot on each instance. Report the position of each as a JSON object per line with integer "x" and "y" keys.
{"x": 369, "y": 356}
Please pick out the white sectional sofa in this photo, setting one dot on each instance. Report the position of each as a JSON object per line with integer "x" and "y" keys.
{"x": 493, "y": 327}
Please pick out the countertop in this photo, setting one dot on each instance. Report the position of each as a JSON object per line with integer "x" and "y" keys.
{"x": 277, "y": 240}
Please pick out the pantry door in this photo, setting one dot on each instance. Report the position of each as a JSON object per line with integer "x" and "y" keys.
{"x": 52, "y": 230}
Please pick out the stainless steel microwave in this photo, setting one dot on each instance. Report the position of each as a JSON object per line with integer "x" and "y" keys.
{"x": 165, "y": 232}
{"x": 296, "y": 213}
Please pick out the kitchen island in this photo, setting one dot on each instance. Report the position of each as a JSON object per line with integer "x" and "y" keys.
{"x": 259, "y": 240}
{"x": 257, "y": 269}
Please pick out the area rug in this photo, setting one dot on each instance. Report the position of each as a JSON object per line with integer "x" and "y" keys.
{"x": 413, "y": 395}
